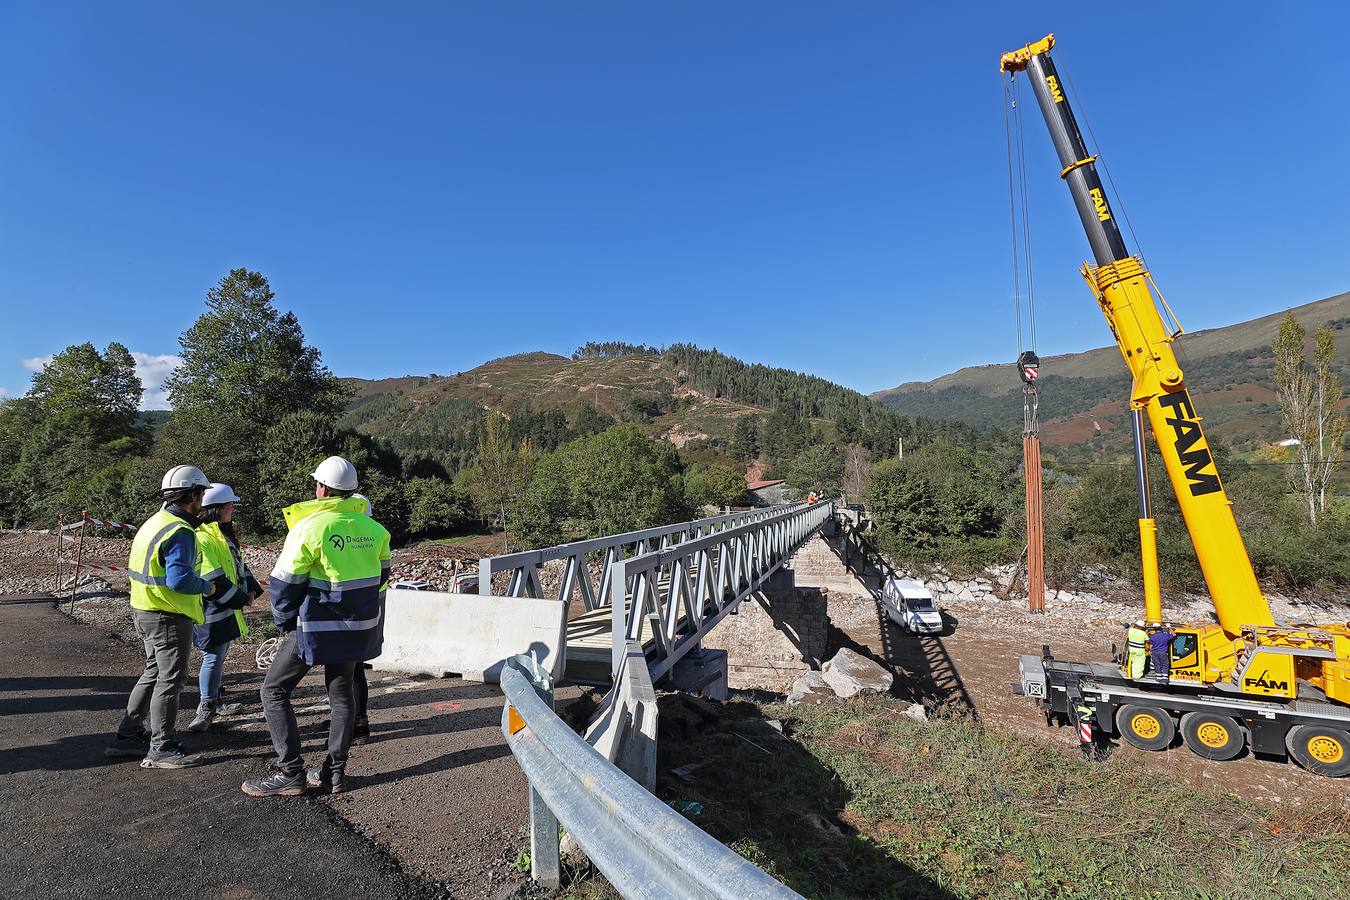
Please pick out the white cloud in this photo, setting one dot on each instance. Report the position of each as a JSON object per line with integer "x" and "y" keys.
{"x": 153, "y": 369}
{"x": 4, "y": 393}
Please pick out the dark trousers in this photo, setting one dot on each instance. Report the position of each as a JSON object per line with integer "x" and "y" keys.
{"x": 282, "y": 677}
{"x": 362, "y": 689}
{"x": 167, "y": 638}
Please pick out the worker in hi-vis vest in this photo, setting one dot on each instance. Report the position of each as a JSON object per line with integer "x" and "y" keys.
{"x": 166, "y": 601}
{"x": 328, "y": 595}
{"x": 1136, "y": 649}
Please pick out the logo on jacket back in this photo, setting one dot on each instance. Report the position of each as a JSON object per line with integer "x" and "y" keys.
{"x": 1189, "y": 443}
{"x": 340, "y": 542}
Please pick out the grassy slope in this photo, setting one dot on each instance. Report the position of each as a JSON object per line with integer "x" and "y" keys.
{"x": 1084, "y": 392}
{"x": 547, "y": 381}
{"x": 863, "y": 802}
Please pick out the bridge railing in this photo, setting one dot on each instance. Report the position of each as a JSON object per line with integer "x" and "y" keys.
{"x": 679, "y": 593}
{"x": 643, "y": 847}
{"x": 523, "y": 568}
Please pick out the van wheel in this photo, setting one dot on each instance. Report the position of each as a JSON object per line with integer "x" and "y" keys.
{"x": 1146, "y": 727}
{"x": 1320, "y": 749}
{"x": 1211, "y": 736}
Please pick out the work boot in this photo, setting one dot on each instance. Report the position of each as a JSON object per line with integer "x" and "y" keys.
{"x": 206, "y": 711}
{"x": 277, "y": 784}
{"x": 136, "y": 744}
{"x": 170, "y": 755}
{"x": 326, "y": 777}
{"x": 361, "y": 731}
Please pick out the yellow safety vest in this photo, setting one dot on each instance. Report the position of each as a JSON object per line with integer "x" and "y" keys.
{"x": 215, "y": 559}
{"x": 148, "y": 575}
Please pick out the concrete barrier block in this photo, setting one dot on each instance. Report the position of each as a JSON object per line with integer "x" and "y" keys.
{"x": 435, "y": 633}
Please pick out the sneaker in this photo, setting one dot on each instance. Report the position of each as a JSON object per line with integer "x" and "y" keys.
{"x": 324, "y": 777}
{"x": 206, "y": 711}
{"x": 277, "y": 784}
{"x": 170, "y": 755}
{"x": 226, "y": 707}
{"x": 361, "y": 731}
{"x": 137, "y": 745}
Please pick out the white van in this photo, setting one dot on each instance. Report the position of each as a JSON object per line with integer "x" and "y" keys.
{"x": 911, "y": 606}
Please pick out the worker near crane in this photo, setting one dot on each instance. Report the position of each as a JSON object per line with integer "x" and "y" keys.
{"x": 1160, "y": 653}
{"x": 223, "y": 564}
{"x": 166, "y": 601}
{"x": 1136, "y": 649}
{"x": 328, "y": 596}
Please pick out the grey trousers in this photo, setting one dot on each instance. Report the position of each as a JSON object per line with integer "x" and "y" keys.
{"x": 282, "y": 677}
{"x": 168, "y": 640}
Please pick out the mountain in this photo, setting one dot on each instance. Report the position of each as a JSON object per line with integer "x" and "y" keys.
{"x": 1083, "y": 395}
{"x": 686, "y": 395}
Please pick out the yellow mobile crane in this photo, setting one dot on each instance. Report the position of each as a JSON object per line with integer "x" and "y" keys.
{"x": 1280, "y": 687}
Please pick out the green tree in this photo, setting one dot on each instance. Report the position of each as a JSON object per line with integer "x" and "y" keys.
{"x": 501, "y": 476}
{"x": 71, "y": 442}
{"x": 745, "y": 440}
{"x": 715, "y": 484}
{"x": 616, "y": 481}
{"x": 245, "y": 356}
{"x": 818, "y": 468}
{"x": 246, "y": 368}
{"x": 902, "y": 506}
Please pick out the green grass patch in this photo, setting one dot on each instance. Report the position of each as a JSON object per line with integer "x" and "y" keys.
{"x": 859, "y": 801}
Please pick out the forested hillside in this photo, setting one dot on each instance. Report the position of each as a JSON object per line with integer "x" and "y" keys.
{"x": 1083, "y": 395}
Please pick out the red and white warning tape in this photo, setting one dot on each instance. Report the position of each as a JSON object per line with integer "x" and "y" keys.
{"x": 109, "y": 523}
{"x": 97, "y": 567}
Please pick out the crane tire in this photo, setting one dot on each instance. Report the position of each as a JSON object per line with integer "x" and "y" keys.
{"x": 1146, "y": 727}
{"x": 1320, "y": 749}
{"x": 1212, "y": 736}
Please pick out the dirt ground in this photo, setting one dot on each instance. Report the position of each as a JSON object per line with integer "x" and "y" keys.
{"x": 973, "y": 666}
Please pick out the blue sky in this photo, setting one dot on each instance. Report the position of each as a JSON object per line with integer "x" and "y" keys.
{"x": 817, "y": 186}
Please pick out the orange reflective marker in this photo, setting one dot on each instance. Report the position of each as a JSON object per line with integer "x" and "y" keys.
{"x": 514, "y": 722}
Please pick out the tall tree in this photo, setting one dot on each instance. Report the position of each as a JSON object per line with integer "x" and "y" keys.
{"x": 245, "y": 367}
{"x": 1309, "y": 395}
{"x": 502, "y": 475}
{"x": 246, "y": 356}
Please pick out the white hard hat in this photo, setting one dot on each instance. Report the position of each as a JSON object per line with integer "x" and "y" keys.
{"x": 180, "y": 477}
{"x": 337, "y": 473}
{"x": 219, "y": 493}
{"x": 369, "y": 506}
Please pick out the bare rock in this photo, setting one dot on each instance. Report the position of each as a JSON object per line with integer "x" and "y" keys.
{"x": 810, "y": 688}
{"x": 850, "y": 672}
{"x": 916, "y": 712}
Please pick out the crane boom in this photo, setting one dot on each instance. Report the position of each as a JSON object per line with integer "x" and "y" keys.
{"x": 1121, "y": 285}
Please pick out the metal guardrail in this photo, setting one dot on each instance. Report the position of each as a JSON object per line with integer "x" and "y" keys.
{"x": 682, "y": 592}
{"x": 524, "y": 566}
{"x": 644, "y": 848}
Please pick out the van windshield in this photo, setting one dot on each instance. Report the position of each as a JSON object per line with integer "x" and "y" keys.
{"x": 919, "y": 604}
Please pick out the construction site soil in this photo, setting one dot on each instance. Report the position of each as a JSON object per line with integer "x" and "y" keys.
{"x": 439, "y": 791}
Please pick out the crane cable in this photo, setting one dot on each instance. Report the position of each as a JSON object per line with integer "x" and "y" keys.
{"x": 1020, "y": 225}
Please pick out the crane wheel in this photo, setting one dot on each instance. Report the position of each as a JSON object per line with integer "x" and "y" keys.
{"x": 1146, "y": 727}
{"x": 1320, "y": 749}
{"x": 1211, "y": 736}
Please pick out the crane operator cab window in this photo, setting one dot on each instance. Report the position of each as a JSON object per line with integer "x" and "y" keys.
{"x": 1186, "y": 655}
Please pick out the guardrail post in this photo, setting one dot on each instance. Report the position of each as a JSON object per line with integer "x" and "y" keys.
{"x": 545, "y": 857}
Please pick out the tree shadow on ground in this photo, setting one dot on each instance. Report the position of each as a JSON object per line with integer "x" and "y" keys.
{"x": 772, "y": 801}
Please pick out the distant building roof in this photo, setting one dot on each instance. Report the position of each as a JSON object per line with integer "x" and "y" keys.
{"x": 757, "y": 485}
{"x": 1288, "y": 442}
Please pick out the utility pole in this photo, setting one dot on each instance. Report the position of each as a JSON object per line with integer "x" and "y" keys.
{"x": 901, "y": 447}
{"x": 1028, "y": 365}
